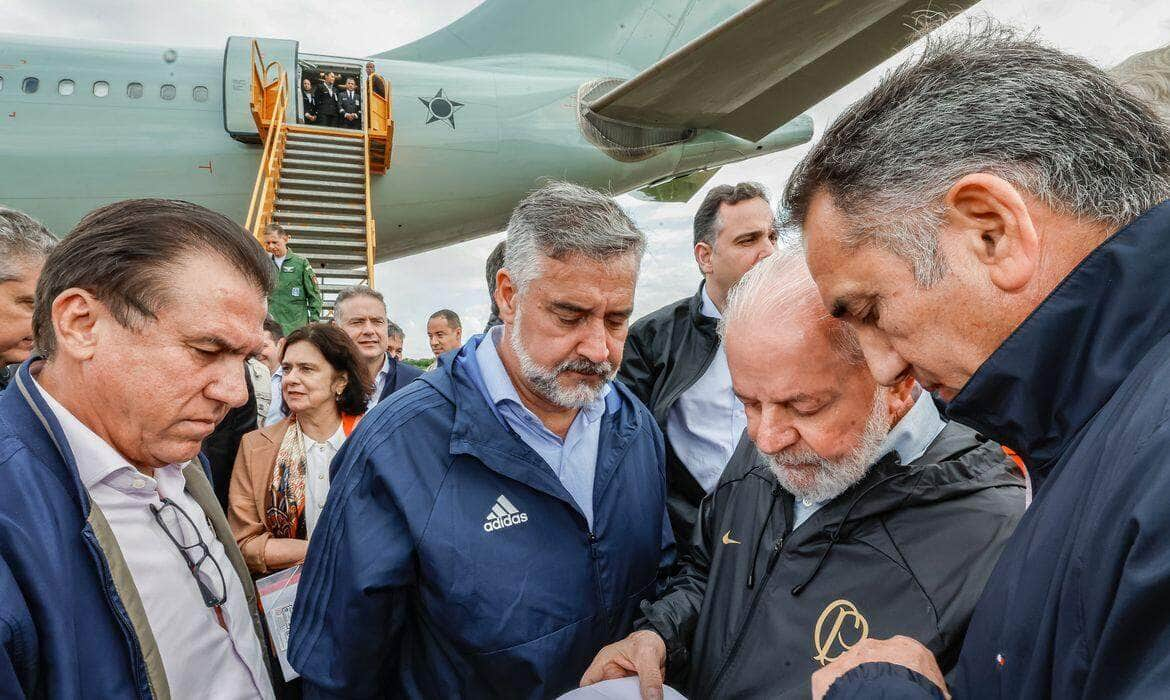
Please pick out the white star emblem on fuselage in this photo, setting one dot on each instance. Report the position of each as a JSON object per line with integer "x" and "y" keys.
{"x": 440, "y": 108}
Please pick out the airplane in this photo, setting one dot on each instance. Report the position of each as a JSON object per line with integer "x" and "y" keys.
{"x": 620, "y": 95}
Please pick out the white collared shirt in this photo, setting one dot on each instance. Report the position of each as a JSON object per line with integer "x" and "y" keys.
{"x": 201, "y": 658}
{"x": 706, "y": 422}
{"x": 275, "y": 412}
{"x": 318, "y": 456}
{"x": 379, "y": 383}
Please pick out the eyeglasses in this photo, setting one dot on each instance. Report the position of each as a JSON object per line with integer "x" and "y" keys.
{"x": 181, "y": 530}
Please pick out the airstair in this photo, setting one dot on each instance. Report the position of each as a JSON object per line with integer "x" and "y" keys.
{"x": 315, "y": 181}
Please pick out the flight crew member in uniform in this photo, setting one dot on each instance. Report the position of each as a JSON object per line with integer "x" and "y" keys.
{"x": 24, "y": 243}
{"x": 119, "y": 576}
{"x": 361, "y": 312}
{"x": 494, "y": 524}
{"x": 675, "y": 362}
{"x": 326, "y": 99}
{"x": 296, "y": 298}
{"x": 349, "y": 105}
{"x": 848, "y": 509}
{"x": 308, "y": 101}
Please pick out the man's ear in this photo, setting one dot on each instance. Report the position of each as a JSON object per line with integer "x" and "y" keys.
{"x": 506, "y": 295}
{"x": 901, "y": 397}
{"x": 76, "y": 318}
{"x": 995, "y": 226}
{"x": 703, "y": 253}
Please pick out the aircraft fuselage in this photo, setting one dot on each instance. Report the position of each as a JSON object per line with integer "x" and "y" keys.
{"x": 451, "y": 179}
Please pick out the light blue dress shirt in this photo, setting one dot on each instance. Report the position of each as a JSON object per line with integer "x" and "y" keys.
{"x": 574, "y": 459}
{"x": 379, "y": 383}
{"x": 705, "y": 423}
{"x": 911, "y": 437}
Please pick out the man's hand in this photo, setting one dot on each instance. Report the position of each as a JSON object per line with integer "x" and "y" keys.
{"x": 642, "y": 653}
{"x": 903, "y": 651}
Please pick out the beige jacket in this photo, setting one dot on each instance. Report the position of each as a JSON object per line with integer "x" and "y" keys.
{"x": 250, "y": 494}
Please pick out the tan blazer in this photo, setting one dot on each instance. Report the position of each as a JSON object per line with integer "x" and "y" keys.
{"x": 250, "y": 494}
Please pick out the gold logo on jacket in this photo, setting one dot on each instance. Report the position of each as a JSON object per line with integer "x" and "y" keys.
{"x": 838, "y": 629}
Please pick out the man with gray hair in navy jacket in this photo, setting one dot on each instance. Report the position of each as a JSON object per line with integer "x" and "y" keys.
{"x": 494, "y": 524}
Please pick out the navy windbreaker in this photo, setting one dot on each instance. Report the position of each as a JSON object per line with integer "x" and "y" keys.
{"x": 1078, "y": 605}
{"x": 422, "y": 578}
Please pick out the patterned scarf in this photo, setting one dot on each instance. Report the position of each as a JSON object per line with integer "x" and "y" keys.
{"x": 288, "y": 481}
{"x": 288, "y": 485}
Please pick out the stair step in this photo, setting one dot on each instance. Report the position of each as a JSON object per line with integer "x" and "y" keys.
{"x": 326, "y": 245}
{"x": 306, "y": 173}
{"x": 330, "y": 166}
{"x": 334, "y": 289}
{"x": 346, "y": 258}
{"x": 312, "y": 196}
{"x": 327, "y": 136}
{"x": 330, "y": 231}
{"x": 355, "y": 273}
{"x": 311, "y": 217}
{"x": 289, "y": 205}
{"x": 318, "y": 187}
{"x": 338, "y": 157}
{"x": 327, "y": 144}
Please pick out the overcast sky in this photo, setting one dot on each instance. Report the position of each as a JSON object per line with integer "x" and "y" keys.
{"x": 1103, "y": 32}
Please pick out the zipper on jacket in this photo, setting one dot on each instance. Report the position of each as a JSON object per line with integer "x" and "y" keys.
{"x": 743, "y": 628}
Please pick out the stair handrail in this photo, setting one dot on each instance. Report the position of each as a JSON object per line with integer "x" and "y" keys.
{"x": 264, "y": 89}
{"x": 379, "y": 116}
{"x": 371, "y": 231}
{"x": 264, "y": 190}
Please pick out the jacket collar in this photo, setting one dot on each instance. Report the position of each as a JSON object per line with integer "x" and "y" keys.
{"x": 478, "y": 432}
{"x": 38, "y": 428}
{"x": 704, "y": 324}
{"x": 1063, "y": 363}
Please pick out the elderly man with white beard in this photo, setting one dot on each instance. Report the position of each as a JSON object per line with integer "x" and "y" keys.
{"x": 495, "y": 523}
{"x": 848, "y": 510}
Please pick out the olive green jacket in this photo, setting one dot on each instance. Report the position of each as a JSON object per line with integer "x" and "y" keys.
{"x": 296, "y": 299}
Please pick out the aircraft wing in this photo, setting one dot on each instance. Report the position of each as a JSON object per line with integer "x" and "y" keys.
{"x": 768, "y": 63}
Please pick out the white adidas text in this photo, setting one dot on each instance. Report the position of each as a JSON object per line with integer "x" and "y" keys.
{"x": 503, "y": 514}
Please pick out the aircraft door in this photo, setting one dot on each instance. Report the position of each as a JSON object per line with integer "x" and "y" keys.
{"x": 237, "y": 80}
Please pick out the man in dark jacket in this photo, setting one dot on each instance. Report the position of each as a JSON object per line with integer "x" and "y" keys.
{"x": 1020, "y": 270}
{"x": 361, "y": 312}
{"x": 119, "y": 575}
{"x": 852, "y": 511}
{"x": 493, "y": 525}
{"x": 349, "y": 105}
{"x": 328, "y": 112}
{"x": 675, "y": 363}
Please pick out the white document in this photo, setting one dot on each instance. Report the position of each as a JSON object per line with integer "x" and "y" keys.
{"x": 618, "y": 689}
{"x": 277, "y": 593}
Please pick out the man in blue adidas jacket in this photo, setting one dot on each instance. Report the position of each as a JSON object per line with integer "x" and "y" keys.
{"x": 1020, "y": 272}
{"x": 493, "y": 525}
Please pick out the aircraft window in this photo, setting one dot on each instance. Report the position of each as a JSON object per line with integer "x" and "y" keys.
{"x": 199, "y": 94}
{"x": 30, "y": 85}
{"x": 65, "y": 87}
{"x": 1, "y": 83}
{"x": 134, "y": 90}
{"x": 167, "y": 92}
{"x": 101, "y": 88}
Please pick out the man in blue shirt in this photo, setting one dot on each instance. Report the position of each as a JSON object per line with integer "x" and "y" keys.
{"x": 494, "y": 524}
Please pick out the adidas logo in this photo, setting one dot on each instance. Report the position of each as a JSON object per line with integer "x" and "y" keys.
{"x": 503, "y": 514}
